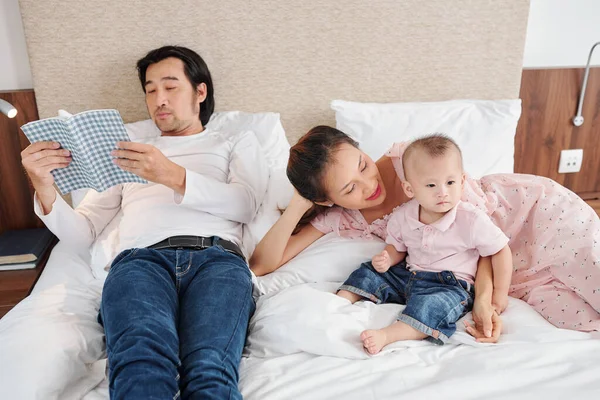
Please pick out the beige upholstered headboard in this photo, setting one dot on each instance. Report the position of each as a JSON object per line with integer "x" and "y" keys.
{"x": 288, "y": 56}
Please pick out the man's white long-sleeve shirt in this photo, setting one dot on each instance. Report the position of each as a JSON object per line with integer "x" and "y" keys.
{"x": 226, "y": 180}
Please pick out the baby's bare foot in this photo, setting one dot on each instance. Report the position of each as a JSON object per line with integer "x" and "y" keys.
{"x": 373, "y": 340}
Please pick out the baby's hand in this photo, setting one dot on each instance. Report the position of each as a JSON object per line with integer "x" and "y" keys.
{"x": 381, "y": 262}
{"x": 499, "y": 301}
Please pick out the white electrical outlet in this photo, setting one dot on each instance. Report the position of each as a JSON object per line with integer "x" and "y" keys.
{"x": 570, "y": 161}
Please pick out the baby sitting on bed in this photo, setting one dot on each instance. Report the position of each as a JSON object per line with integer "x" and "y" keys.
{"x": 444, "y": 238}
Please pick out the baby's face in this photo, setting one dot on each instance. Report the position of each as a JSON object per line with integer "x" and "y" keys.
{"x": 435, "y": 182}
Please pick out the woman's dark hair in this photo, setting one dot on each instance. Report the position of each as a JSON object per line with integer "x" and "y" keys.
{"x": 195, "y": 69}
{"x": 307, "y": 165}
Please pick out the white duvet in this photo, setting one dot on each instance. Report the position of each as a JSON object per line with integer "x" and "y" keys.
{"x": 303, "y": 343}
{"x": 310, "y": 318}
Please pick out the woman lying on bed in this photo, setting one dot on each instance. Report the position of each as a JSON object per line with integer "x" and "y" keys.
{"x": 554, "y": 235}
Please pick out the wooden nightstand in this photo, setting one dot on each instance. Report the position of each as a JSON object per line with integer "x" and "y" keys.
{"x": 16, "y": 285}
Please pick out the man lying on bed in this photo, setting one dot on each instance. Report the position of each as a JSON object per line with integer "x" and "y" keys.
{"x": 177, "y": 300}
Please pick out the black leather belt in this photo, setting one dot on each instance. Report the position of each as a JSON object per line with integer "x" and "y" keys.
{"x": 197, "y": 242}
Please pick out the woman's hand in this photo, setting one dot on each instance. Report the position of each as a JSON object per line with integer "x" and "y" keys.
{"x": 476, "y": 331}
{"x": 299, "y": 203}
{"x": 488, "y": 324}
{"x": 280, "y": 245}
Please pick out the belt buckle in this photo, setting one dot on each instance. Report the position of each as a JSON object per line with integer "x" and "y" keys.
{"x": 201, "y": 245}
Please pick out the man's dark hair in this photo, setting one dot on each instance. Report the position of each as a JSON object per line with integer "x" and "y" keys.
{"x": 195, "y": 69}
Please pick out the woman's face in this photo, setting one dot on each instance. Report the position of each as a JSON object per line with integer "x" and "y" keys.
{"x": 352, "y": 179}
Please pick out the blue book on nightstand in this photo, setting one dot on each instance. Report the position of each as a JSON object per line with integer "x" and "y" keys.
{"x": 23, "y": 248}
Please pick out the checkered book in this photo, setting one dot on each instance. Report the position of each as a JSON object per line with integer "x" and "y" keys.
{"x": 90, "y": 136}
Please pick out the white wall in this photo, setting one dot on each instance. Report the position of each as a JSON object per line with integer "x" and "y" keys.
{"x": 14, "y": 62}
{"x": 561, "y": 33}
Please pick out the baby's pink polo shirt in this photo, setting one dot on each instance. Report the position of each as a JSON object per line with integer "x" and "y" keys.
{"x": 452, "y": 243}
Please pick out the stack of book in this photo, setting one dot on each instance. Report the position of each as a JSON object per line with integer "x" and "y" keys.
{"x": 23, "y": 249}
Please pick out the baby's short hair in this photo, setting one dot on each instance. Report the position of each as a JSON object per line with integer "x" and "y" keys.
{"x": 434, "y": 145}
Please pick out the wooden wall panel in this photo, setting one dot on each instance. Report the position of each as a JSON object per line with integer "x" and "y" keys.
{"x": 16, "y": 193}
{"x": 550, "y": 99}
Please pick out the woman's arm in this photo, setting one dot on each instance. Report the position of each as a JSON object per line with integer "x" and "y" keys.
{"x": 483, "y": 311}
{"x": 279, "y": 246}
{"x": 502, "y": 272}
{"x": 484, "y": 279}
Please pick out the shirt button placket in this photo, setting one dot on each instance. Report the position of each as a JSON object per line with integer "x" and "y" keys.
{"x": 426, "y": 231}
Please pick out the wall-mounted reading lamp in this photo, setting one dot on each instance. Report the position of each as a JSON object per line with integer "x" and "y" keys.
{"x": 7, "y": 109}
{"x": 578, "y": 119}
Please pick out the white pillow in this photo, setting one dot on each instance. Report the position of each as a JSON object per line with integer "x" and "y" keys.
{"x": 271, "y": 136}
{"x": 484, "y": 129}
{"x": 329, "y": 259}
{"x": 267, "y": 128}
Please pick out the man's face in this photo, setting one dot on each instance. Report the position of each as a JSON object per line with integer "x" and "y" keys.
{"x": 173, "y": 104}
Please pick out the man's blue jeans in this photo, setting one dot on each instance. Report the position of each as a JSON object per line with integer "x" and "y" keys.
{"x": 175, "y": 323}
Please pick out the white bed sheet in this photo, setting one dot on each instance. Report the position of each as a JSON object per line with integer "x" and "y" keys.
{"x": 60, "y": 352}
{"x": 542, "y": 371}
